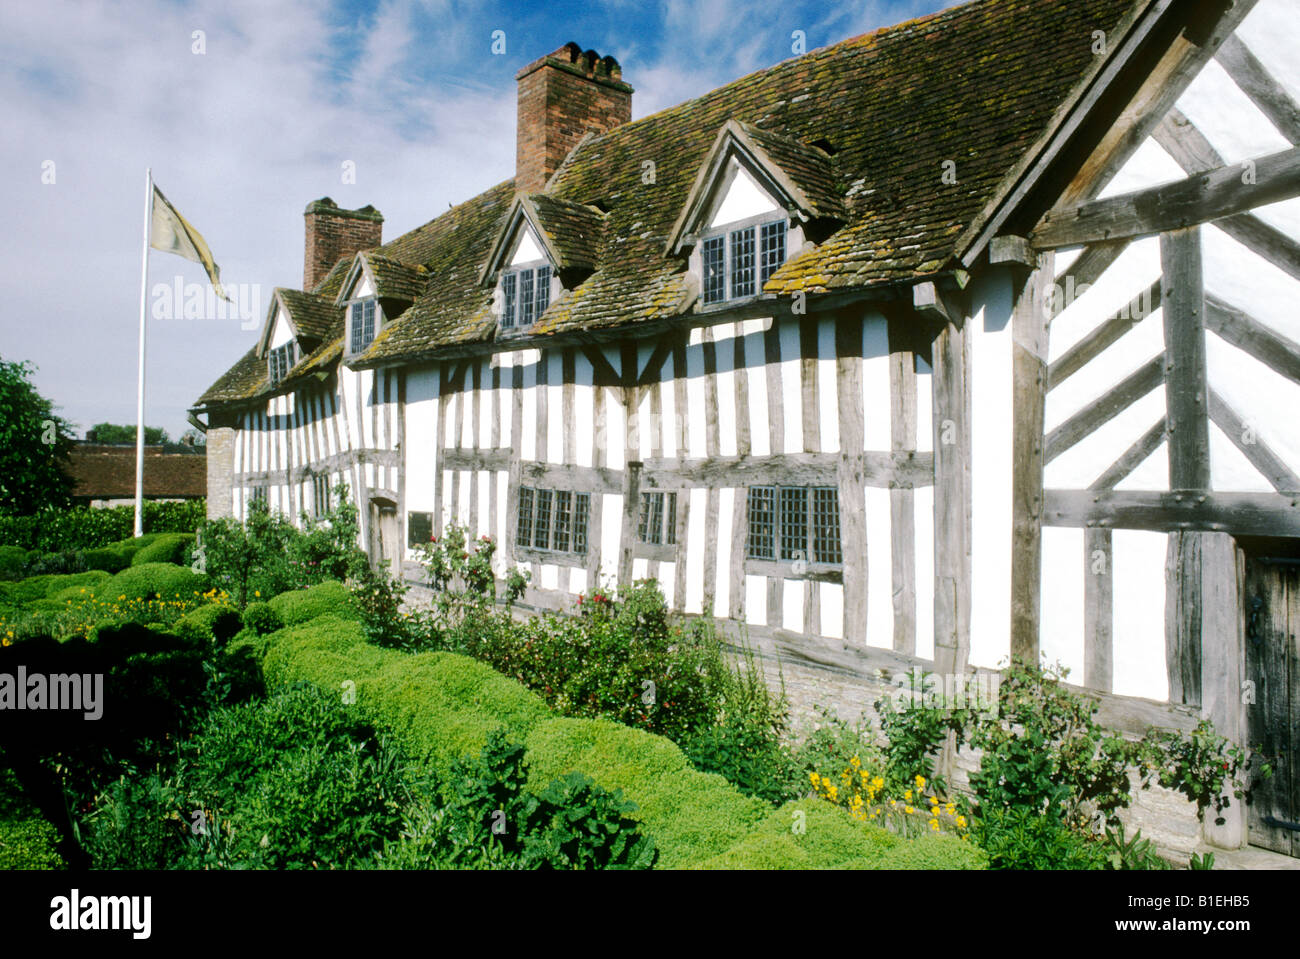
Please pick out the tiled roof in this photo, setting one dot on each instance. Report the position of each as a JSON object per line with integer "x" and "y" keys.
{"x": 575, "y": 230}
{"x": 394, "y": 280}
{"x": 313, "y": 316}
{"x": 872, "y": 122}
{"x": 108, "y": 472}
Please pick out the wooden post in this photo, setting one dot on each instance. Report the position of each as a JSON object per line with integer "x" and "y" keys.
{"x": 1029, "y": 374}
{"x": 1187, "y": 425}
{"x": 1222, "y": 665}
{"x": 952, "y": 497}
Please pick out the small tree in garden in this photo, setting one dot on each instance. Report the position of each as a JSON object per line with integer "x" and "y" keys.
{"x": 34, "y": 446}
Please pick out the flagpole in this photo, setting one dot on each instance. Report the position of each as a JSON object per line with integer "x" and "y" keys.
{"x": 139, "y": 401}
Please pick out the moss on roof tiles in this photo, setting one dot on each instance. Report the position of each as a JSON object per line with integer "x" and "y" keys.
{"x": 313, "y": 316}
{"x": 976, "y": 85}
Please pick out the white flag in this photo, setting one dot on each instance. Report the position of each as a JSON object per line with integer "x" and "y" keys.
{"x": 172, "y": 233}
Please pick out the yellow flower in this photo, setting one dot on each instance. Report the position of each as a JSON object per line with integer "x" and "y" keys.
{"x": 961, "y": 822}
{"x": 878, "y": 783}
{"x": 815, "y": 778}
{"x": 833, "y": 791}
{"x": 257, "y": 592}
{"x": 934, "y": 824}
{"x": 920, "y": 781}
{"x": 908, "y": 795}
{"x": 855, "y": 762}
{"x": 950, "y": 809}
{"x": 909, "y": 810}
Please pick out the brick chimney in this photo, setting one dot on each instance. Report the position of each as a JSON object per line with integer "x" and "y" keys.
{"x": 333, "y": 232}
{"x": 562, "y": 97}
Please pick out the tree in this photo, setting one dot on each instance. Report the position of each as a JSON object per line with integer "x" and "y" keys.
{"x": 34, "y": 446}
{"x": 111, "y": 433}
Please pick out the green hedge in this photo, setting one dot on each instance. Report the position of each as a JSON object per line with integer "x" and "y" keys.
{"x": 215, "y": 622}
{"x": 84, "y": 528}
{"x": 442, "y": 706}
{"x": 154, "y": 580}
{"x": 58, "y": 587}
{"x": 167, "y": 548}
{"x": 13, "y": 562}
{"x": 324, "y": 599}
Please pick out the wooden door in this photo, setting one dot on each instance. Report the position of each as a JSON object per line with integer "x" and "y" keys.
{"x": 384, "y": 545}
{"x": 1272, "y": 601}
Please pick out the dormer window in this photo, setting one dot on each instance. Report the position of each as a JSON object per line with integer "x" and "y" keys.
{"x": 737, "y": 261}
{"x": 525, "y": 295}
{"x": 362, "y": 325}
{"x": 281, "y": 360}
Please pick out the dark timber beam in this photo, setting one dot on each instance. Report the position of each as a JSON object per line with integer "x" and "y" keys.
{"x": 1250, "y": 335}
{"x": 1085, "y": 271}
{"x": 1258, "y": 84}
{"x": 1193, "y": 152}
{"x": 1029, "y": 378}
{"x": 1242, "y": 514}
{"x": 1186, "y": 390}
{"x": 1218, "y": 193}
{"x": 1132, "y": 388}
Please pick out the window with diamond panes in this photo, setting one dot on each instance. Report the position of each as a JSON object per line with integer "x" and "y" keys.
{"x": 794, "y": 522}
{"x": 762, "y": 522}
{"x": 715, "y": 277}
{"x": 563, "y": 524}
{"x": 363, "y": 324}
{"x": 772, "y": 250}
{"x": 508, "y": 298}
{"x": 581, "y": 503}
{"x": 658, "y": 523}
{"x": 524, "y": 532}
{"x": 742, "y": 263}
{"x": 826, "y": 525}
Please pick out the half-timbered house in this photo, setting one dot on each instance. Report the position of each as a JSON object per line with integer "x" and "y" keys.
{"x": 966, "y": 338}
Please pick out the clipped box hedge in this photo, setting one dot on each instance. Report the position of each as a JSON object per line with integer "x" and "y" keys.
{"x": 442, "y": 706}
{"x": 27, "y": 840}
{"x": 302, "y": 605}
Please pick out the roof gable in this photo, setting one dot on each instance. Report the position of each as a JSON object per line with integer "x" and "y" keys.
{"x": 809, "y": 192}
{"x": 569, "y": 234}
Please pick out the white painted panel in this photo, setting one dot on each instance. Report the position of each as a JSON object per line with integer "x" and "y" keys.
{"x": 720, "y": 552}
{"x": 876, "y": 403}
{"x": 1151, "y": 474}
{"x": 1229, "y": 468}
{"x": 880, "y": 581}
{"x": 1061, "y": 633}
{"x": 502, "y": 495}
{"x": 550, "y": 577}
{"x": 1266, "y": 399}
{"x": 640, "y": 568}
{"x": 646, "y": 427}
{"x": 695, "y": 417}
{"x": 668, "y": 403}
{"x": 696, "y": 550}
{"x": 584, "y": 411}
{"x": 668, "y": 583}
{"x": 828, "y": 406}
{"x": 991, "y": 458}
{"x": 726, "y": 381}
{"x": 744, "y": 198}
{"x": 615, "y": 430}
{"x": 555, "y": 425}
{"x": 506, "y": 411}
{"x": 756, "y": 600}
{"x": 1080, "y": 465}
{"x": 484, "y": 499}
{"x": 832, "y": 597}
{"x": 792, "y": 593}
{"x": 924, "y": 407}
{"x": 925, "y": 572}
{"x": 528, "y": 421}
{"x": 1139, "y": 564}
{"x": 420, "y": 455}
{"x": 611, "y": 519}
{"x": 791, "y": 388}
{"x": 281, "y": 332}
{"x": 462, "y": 507}
{"x": 760, "y": 434}
{"x": 527, "y": 249}
{"x": 577, "y": 580}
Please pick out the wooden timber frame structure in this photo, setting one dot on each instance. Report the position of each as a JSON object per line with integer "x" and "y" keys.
{"x": 923, "y": 401}
{"x": 1206, "y": 608}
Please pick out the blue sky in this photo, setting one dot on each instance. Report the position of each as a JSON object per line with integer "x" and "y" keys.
{"x": 243, "y": 135}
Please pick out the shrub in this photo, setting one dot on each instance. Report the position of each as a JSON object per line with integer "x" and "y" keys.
{"x": 155, "y": 581}
{"x": 84, "y": 528}
{"x": 13, "y": 562}
{"x": 492, "y": 820}
{"x": 27, "y": 840}
{"x": 44, "y": 564}
{"x": 1025, "y": 838}
{"x": 167, "y": 548}
{"x": 806, "y": 834}
{"x": 107, "y": 559}
{"x": 215, "y": 622}
{"x": 296, "y": 781}
{"x": 261, "y": 618}
{"x": 300, "y": 605}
